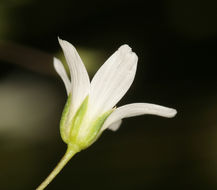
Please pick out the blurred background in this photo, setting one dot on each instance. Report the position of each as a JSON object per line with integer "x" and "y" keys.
{"x": 176, "y": 42}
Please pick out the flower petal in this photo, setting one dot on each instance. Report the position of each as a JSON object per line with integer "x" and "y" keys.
{"x": 112, "y": 80}
{"x": 80, "y": 82}
{"x": 62, "y": 73}
{"x": 137, "y": 109}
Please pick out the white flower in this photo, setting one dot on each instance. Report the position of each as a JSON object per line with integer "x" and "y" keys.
{"x": 90, "y": 108}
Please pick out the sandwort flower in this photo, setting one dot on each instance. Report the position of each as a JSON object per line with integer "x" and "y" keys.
{"x": 90, "y": 108}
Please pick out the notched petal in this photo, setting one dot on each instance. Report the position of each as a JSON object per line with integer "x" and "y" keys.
{"x": 113, "y": 80}
{"x": 80, "y": 83}
{"x": 136, "y": 109}
{"x": 62, "y": 73}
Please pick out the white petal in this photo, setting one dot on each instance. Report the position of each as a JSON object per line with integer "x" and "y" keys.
{"x": 115, "y": 126}
{"x": 62, "y": 73}
{"x": 80, "y": 82}
{"x": 112, "y": 80}
{"x": 137, "y": 109}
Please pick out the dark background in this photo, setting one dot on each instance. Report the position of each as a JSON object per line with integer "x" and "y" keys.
{"x": 176, "y": 42}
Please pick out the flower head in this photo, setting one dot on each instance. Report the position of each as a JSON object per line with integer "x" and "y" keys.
{"x": 90, "y": 108}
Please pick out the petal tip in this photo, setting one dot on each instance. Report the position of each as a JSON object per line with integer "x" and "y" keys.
{"x": 56, "y": 63}
{"x": 65, "y": 44}
{"x": 61, "y": 42}
{"x": 172, "y": 112}
{"x": 55, "y": 59}
{"x": 135, "y": 57}
{"x": 59, "y": 39}
{"x": 125, "y": 48}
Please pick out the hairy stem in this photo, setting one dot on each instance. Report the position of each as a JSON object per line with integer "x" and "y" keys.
{"x": 68, "y": 155}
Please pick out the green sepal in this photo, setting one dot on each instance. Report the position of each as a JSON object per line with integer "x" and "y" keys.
{"x": 77, "y": 120}
{"x": 63, "y": 121}
{"x": 95, "y": 127}
{"x": 71, "y": 129}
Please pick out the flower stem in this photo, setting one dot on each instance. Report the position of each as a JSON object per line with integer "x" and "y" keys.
{"x": 68, "y": 155}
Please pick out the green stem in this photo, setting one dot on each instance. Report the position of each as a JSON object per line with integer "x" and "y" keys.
{"x": 68, "y": 155}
